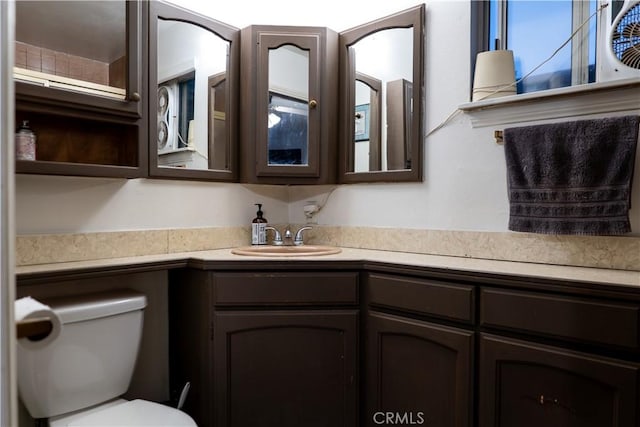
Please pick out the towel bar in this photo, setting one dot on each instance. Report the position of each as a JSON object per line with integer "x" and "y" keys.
{"x": 498, "y": 135}
{"x": 35, "y": 329}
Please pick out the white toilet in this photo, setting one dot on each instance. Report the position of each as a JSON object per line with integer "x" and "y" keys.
{"x": 77, "y": 379}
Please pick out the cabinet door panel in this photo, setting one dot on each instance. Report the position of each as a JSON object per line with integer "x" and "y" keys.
{"x": 284, "y": 369}
{"x": 418, "y": 370}
{"x": 529, "y": 385}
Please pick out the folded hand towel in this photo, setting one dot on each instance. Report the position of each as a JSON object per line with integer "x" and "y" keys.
{"x": 573, "y": 177}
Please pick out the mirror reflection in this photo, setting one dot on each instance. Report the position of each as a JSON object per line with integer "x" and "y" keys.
{"x": 288, "y": 109}
{"x": 192, "y": 68}
{"x": 367, "y": 124}
{"x": 383, "y": 63}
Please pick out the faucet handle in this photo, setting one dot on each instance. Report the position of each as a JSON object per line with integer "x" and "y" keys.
{"x": 298, "y": 240}
{"x": 277, "y": 238}
{"x": 287, "y": 233}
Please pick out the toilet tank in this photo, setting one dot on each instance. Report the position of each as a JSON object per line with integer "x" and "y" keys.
{"x": 91, "y": 361}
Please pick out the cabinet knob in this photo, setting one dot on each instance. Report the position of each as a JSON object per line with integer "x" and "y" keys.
{"x": 313, "y": 103}
{"x": 135, "y": 96}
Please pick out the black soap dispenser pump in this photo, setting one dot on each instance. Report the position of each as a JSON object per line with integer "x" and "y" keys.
{"x": 259, "y": 228}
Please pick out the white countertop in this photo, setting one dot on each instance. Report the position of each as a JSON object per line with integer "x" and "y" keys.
{"x": 546, "y": 271}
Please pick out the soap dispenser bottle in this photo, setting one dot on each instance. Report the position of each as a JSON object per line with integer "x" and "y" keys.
{"x": 259, "y": 228}
{"x": 25, "y": 142}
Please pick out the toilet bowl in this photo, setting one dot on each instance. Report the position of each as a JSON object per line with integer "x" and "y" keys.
{"x": 123, "y": 413}
{"x": 78, "y": 378}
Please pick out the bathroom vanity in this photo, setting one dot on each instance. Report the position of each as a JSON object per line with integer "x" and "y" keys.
{"x": 341, "y": 339}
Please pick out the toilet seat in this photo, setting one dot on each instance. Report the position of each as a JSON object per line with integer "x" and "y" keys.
{"x": 123, "y": 413}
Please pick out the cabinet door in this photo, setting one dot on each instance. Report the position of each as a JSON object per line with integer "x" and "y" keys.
{"x": 79, "y": 77}
{"x": 80, "y": 52}
{"x": 529, "y": 385}
{"x": 193, "y": 70}
{"x": 289, "y": 93}
{"x": 285, "y": 368}
{"x": 417, "y": 371}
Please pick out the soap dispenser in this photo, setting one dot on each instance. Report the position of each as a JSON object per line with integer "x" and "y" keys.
{"x": 25, "y": 142}
{"x": 259, "y": 228}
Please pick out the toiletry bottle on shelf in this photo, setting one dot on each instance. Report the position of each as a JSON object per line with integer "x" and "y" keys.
{"x": 25, "y": 142}
{"x": 258, "y": 228}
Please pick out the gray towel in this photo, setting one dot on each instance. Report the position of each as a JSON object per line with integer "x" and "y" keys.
{"x": 573, "y": 177}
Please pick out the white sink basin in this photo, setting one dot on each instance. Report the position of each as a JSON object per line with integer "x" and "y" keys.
{"x": 286, "y": 251}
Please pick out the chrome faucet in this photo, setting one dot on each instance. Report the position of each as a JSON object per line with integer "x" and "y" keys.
{"x": 288, "y": 238}
{"x": 298, "y": 240}
{"x": 277, "y": 238}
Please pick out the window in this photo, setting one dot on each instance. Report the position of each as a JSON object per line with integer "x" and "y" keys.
{"x": 186, "y": 91}
{"x": 288, "y": 123}
{"x": 175, "y": 112}
{"x": 534, "y": 30}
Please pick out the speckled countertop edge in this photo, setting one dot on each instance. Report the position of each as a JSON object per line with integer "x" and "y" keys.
{"x": 543, "y": 271}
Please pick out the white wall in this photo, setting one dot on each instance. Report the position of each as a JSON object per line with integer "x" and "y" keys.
{"x": 464, "y": 184}
{"x": 71, "y": 204}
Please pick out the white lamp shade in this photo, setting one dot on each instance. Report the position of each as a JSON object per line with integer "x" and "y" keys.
{"x": 495, "y": 75}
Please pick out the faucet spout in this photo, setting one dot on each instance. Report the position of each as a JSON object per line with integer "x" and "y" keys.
{"x": 298, "y": 240}
{"x": 277, "y": 238}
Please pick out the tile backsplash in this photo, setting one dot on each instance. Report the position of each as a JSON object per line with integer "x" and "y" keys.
{"x": 621, "y": 253}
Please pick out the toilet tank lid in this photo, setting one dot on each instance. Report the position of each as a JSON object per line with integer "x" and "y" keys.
{"x": 77, "y": 308}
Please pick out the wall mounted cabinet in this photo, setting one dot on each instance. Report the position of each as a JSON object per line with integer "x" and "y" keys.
{"x": 288, "y": 112}
{"x": 382, "y": 99}
{"x": 80, "y": 77}
{"x": 193, "y": 87}
{"x": 137, "y": 89}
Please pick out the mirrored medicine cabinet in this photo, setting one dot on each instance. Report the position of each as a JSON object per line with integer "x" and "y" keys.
{"x": 289, "y": 98}
{"x": 381, "y": 100}
{"x": 193, "y": 81}
{"x": 310, "y": 106}
{"x": 307, "y": 106}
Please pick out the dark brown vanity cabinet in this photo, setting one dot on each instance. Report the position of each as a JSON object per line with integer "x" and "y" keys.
{"x": 282, "y": 347}
{"x": 587, "y": 377}
{"x": 530, "y": 385}
{"x": 267, "y": 348}
{"x": 80, "y": 83}
{"x": 289, "y": 93}
{"x": 285, "y": 368}
{"x": 417, "y": 370}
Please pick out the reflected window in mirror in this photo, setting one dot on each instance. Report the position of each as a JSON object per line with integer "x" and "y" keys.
{"x": 287, "y": 122}
{"x": 175, "y": 113}
{"x": 187, "y": 57}
{"x": 382, "y": 73}
{"x": 193, "y": 63}
{"x": 288, "y": 106}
